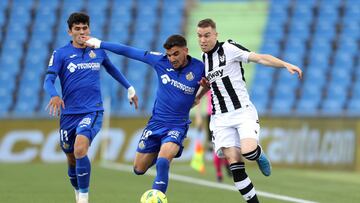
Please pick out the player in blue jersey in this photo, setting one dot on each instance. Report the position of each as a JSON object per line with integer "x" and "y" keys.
{"x": 80, "y": 107}
{"x": 178, "y": 75}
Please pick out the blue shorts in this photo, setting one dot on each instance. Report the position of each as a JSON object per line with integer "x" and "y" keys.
{"x": 155, "y": 134}
{"x": 88, "y": 124}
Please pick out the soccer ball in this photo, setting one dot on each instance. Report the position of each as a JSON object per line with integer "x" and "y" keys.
{"x": 153, "y": 196}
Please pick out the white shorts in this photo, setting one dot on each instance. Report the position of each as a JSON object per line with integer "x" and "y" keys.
{"x": 229, "y": 128}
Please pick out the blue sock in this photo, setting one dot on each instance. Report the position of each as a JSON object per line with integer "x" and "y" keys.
{"x": 83, "y": 169}
{"x": 72, "y": 176}
{"x": 162, "y": 174}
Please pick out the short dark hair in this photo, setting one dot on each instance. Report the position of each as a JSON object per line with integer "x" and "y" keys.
{"x": 208, "y": 22}
{"x": 175, "y": 40}
{"x": 77, "y": 18}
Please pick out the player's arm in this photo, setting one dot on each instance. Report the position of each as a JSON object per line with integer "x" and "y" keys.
{"x": 200, "y": 93}
{"x": 118, "y": 76}
{"x": 55, "y": 102}
{"x": 269, "y": 60}
{"x": 127, "y": 51}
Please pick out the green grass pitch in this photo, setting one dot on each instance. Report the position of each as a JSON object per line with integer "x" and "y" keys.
{"x": 40, "y": 183}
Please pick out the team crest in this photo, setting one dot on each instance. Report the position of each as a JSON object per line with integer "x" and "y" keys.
{"x": 66, "y": 146}
{"x": 142, "y": 144}
{"x": 190, "y": 76}
{"x": 92, "y": 54}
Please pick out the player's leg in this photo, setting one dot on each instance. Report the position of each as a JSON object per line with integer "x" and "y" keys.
{"x": 143, "y": 161}
{"x": 217, "y": 165}
{"x": 227, "y": 144}
{"x": 148, "y": 148}
{"x": 86, "y": 131}
{"x": 72, "y": 173}
{"x": 167, "y": 152}
{"x": 241, "y": 179}
{"x": 252, "y": 151}
{"x": 83, "y": 166}
{"x": 67, "y": 132}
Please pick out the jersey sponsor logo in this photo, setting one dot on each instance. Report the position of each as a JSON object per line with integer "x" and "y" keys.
{"x": 187, "y": 90}
{"x": 214, "y": 74}
{"x": 92, "y": 54}
{"x": 170, "y": 69}
{"x": 73, "y": 56}
{"x": 71, "y": 67}
{"x": 93, "y": 66}
{"x": 165, "y": 79}
{"x": 190, "y": 76}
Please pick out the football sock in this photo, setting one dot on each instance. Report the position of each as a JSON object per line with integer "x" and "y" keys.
{"x": 162, "y": 174}
{"x": 83, "y": 169}
{"x": 243, "y": 182}
{"x": 217, "y": 164}
{"x": 72, "y": 177}
{"x": 253, "y": 155}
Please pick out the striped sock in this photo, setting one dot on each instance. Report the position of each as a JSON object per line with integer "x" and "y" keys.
{"x": 243, "y": 182}
{"x": 253, "y": 155}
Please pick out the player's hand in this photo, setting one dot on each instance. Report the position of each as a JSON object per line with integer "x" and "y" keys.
{"x": 92, "y": 42}
{"x": 132, "y": 96}
{"x": 204, "y": 83}
{"x": 135, "y": 101}
{"x": 55, "y": 105}
{"x": 293, "y": 69}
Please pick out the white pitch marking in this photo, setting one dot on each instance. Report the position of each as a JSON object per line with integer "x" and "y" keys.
{"x": 187, "y": 179}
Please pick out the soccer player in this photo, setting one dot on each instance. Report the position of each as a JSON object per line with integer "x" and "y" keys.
{"x": 80, "y": 107}
{"x": 178, "y": 75}
{"x": 234, "y": 120}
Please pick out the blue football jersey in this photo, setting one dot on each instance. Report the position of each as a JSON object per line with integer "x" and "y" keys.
{"x": 78, "y": 71}
{"x": 177, "y": 87}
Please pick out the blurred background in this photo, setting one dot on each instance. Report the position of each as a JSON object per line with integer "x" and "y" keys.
{"x": 308, "y": 126}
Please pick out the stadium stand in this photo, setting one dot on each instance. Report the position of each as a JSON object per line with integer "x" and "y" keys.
{"x": 322, "y": 37}
{"x": 123, "y": 21}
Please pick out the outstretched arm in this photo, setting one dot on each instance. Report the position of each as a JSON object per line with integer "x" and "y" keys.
{"x": 127, "y": 51}
{"x": 269, "y": 60}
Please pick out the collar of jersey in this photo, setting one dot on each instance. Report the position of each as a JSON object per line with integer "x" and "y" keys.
{"x": 214, "y": 49}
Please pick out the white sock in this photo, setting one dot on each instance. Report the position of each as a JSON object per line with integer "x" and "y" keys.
{"x": 76, "y": 195}
{"x": 83, "y": 195}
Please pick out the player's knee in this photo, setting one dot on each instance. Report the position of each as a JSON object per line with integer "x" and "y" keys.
{"x": 253, "y": 154}
{"x": 80, "y": 152}
{"x": 138, "y": 172}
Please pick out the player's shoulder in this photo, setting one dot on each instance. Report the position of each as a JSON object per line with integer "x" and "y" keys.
{"x": 61, "y": 50}
{"x": 231, "y": 44}
{"x": 196, "y": 61}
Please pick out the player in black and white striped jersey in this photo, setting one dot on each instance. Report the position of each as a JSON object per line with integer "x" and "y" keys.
{"x": 234, "y": 121}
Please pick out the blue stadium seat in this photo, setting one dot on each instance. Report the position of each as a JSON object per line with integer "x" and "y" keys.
{"x": 353, "y": 108}
{"x": 341, "y": 76}
{"x": 332, "y": 107}
{"x": 319, "y": 59}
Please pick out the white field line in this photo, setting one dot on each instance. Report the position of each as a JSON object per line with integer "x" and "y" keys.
{"x": 197, "y": 181}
